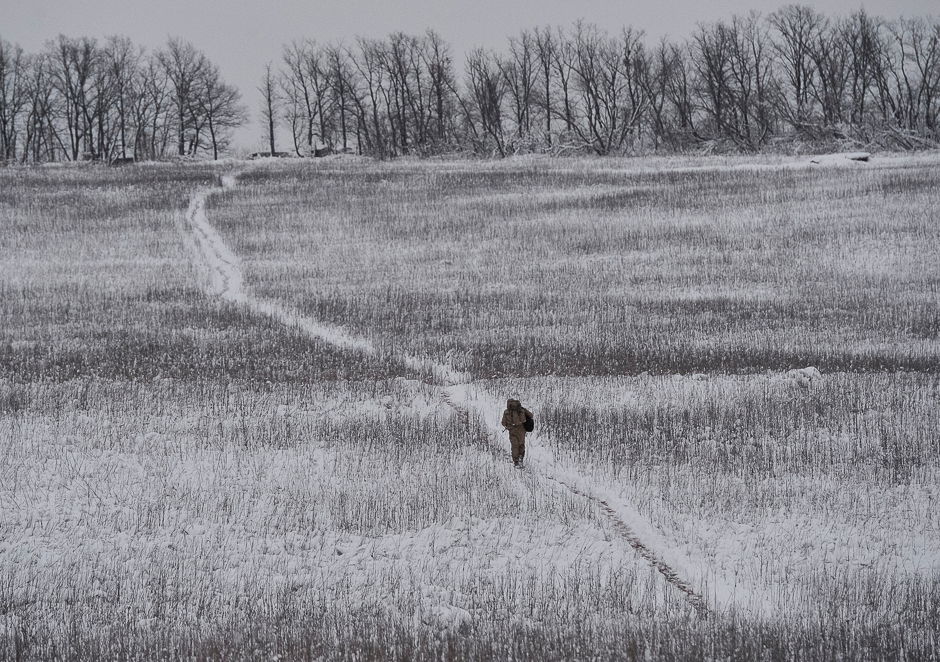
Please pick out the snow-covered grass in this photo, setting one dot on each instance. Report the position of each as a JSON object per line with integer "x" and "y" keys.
{"x": 804, "y": 496}
{"x": 189, "y": 475}
{"x": 555, "y": 268}
{"x": 131, "y": 509}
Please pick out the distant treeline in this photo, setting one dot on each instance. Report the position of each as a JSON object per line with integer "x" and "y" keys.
{"x": 81, "y": 100}
{"x": 792, "y": 78}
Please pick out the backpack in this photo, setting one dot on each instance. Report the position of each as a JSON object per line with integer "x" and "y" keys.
{"x": 529, "y": 424}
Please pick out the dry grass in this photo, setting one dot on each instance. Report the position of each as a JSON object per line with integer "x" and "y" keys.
{"x": 183, "y": 478}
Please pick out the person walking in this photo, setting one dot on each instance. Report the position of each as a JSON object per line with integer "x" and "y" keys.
{"x": 518, "y": 420}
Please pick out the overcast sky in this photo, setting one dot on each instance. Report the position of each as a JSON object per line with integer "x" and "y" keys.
{"x": 241, "y": 36}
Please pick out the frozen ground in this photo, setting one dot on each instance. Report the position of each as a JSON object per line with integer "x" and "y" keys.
{"x": 81, "y": 502}
{"x": 227, "y": 281}
{"x": 707, "y": 563}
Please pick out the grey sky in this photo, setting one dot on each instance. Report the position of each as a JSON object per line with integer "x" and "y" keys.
{"x": 241, "y": 36}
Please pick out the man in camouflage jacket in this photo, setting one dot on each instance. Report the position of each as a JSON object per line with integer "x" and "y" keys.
{"x": 513, "y": 419}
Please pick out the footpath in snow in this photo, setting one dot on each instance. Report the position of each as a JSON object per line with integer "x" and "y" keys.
{"x": 687, "y": 575}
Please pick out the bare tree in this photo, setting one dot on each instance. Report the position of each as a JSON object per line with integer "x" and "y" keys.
{"x": 13, "y": 97}
{"x": 564, "y": 56}
{"x": 754, "y": 90}
{"x": 519, "y": 72}
{"x": 270, "y": 105}
{"x": 799, "y": 27}
{"x": 41, "y": 143}
{"x": 655, "y": 82}
{"x": 888, "y": 68}
{"x": 71, "y": 65}
{"x": 418, "y": 97}
{"x": 612, "y": 102}
{"x": 438, "y": 61}
{"x": 924, "y": 51}
{"x": 916, "y": 75}
{"x": 370, "y": 65}
{"x": 736, "y": 84}
{"x": 121, "y": 59}
{"x": 298, "y": 106}
{"x": 636, "y": 64}
{"x": 863, "y": 37}
{"x": 712, "y": 60}
{"x": 106, "y": 103}
{"x": 183, "y": 65}
{"x": 487, "y": 94}
{"x": 305, "y": 83}
{"x": 405, "y": 100}
{"x": 545, "y": 45}
{"x": 830, "y": 55}
{"x": 152, "y": 110}
{"x": 343, "y": 91}
{"x": 318, "y": 73}
{"x": 220, "y": 104}
{"x": 677, "y": 69}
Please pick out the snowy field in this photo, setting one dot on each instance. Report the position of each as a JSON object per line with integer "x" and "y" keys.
{"x": 250, "y": 411}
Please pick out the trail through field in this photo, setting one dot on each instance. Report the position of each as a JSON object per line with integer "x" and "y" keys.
{"x": 702, "y": 587}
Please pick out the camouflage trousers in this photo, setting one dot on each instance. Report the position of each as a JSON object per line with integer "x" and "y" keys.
{"x": 517, "y": 441}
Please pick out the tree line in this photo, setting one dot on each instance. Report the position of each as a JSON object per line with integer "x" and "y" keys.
{"x": 750, "y": 83}
{"x": 79, "y": 99}
{"x": 747, "y": 84}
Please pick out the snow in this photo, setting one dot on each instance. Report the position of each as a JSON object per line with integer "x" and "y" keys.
{"x": 226, "y": 279}
{"x": 431, "y": 571}
{"x": 805, "y": 377}
{"x": 840, "y": 159}
{"x": 457, "y": 392}
{"x": 710, "y": 570}
{"x": 72, "y": 509}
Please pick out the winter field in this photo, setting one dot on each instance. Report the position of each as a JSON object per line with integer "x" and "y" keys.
{"x": 250, "y": 410}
